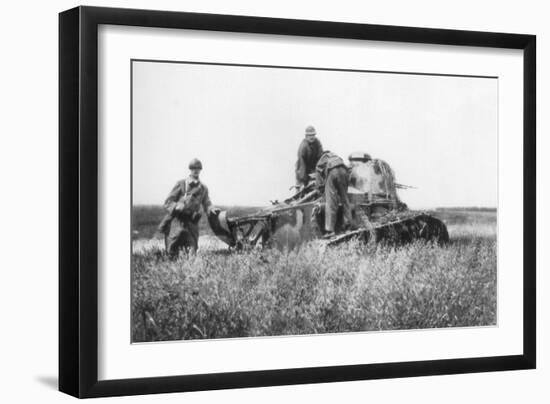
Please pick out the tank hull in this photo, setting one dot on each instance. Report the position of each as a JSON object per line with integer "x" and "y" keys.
{"x": 289, "y": 226}
{"x": 378, "y": 215}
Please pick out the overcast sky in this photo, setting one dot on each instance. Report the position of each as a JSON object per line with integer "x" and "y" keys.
{"x": 439, "y": 133}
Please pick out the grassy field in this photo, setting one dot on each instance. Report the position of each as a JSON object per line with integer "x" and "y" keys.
{"x": 310, "y": 290}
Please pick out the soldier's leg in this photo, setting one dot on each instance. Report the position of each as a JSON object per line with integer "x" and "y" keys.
{"x": 174, "y": 238}
{"x": 189, "y": 237}
{"x": 331, "y": 207}
{"x": 193, "y": 230}
{"x": 342, "y": 186}
{"x": 186, "y": 241}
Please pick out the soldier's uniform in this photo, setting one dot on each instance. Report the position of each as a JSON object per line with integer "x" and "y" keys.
{"x": 181, "y": 228}
{"x": 309, "y": 153}
{"x": 332, "y": 174}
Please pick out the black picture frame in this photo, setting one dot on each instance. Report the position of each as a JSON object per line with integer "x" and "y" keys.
{"x": 78, "y": 201}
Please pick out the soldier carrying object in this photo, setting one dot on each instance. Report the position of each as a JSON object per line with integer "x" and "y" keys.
{"x": 181, "y": 225}
{"x": 309, "y": 152}
{"x": 332, "y": 174}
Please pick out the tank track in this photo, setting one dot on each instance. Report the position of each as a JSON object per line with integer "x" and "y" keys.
{"x": 398, "y": 228}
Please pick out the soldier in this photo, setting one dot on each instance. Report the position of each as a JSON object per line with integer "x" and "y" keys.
{"x": 309, "y": 153}
{"x": 181, "y": 225}
{"x": 332, "y": 174}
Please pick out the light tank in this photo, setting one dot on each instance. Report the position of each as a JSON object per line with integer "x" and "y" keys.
{"x": 378, "y": 214}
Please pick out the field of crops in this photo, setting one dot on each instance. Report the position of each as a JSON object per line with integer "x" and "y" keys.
{"x": 354, "y": 287}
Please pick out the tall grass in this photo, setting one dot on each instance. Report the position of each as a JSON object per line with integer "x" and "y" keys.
{"x": 355, "y": 287}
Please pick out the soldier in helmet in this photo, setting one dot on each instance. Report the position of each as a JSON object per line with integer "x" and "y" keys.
{"x": 332, "y": 175}
{"x": 309, "y": 153}
{"x": 181, "y": 225}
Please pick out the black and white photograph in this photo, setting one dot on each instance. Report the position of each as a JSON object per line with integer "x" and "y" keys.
{"x": 275, "y": 202}
{"x": 289, "y": 200}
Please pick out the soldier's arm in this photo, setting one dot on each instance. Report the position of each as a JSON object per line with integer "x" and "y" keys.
{"x": 301, "y": 177}
{"x": 318, "y": 178}
{"x": 173, "y": 197}
{"x": 320, "y": 173}
{"x": 319, "y": 151}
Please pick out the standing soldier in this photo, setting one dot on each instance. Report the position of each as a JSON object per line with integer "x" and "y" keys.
{"x": 332, "y": 174}
{"x": 309, "y": 152}
{"x": 181, "y": 225}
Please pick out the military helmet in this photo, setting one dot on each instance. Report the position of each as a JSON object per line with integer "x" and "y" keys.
{"x": 310, "y": 130}
{"x": 195, "y": 164}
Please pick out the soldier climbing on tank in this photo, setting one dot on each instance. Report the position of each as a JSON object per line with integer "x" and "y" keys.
{"x": 181, "y": 225}
{"x": 309, "y": 153}
{"x": 332, "y": 181}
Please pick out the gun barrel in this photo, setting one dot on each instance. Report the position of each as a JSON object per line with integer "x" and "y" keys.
{"x": 403, "y": 186}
